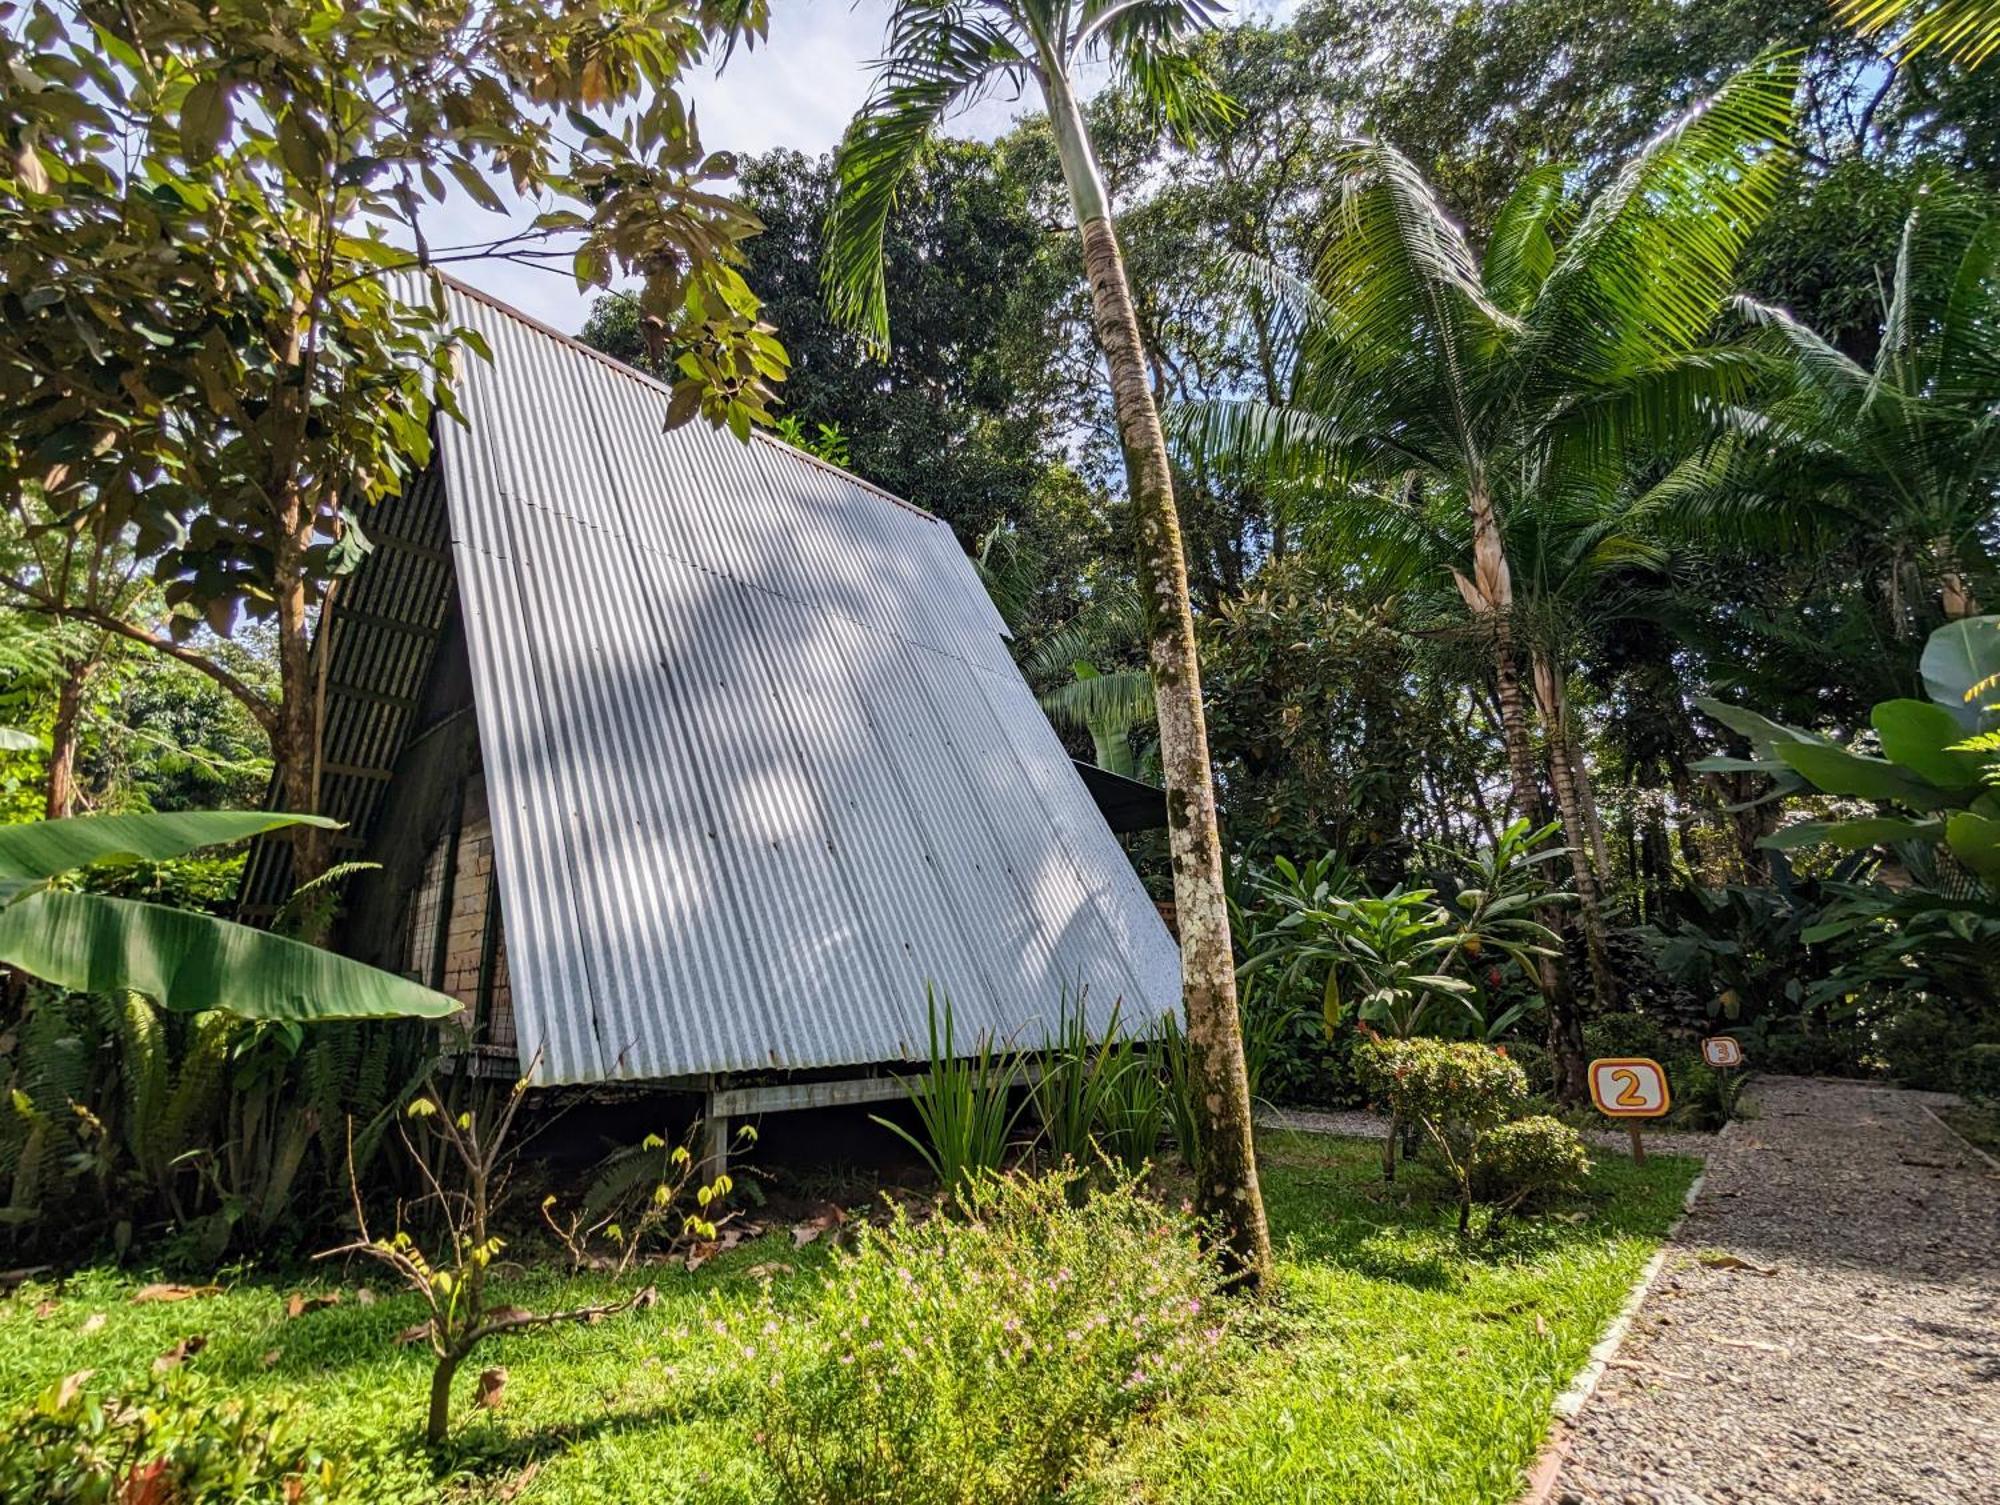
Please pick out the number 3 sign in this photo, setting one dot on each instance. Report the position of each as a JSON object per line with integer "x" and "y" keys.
{"x": 1629, "y": 1087}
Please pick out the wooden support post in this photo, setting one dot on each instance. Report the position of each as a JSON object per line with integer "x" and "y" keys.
{"x": 1638, "y": 1145}
{"x": 714, "y": 1140}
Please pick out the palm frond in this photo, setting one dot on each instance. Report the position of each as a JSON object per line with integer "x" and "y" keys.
{"x": 1092, "y": 701}
{"x": 1654, "y": 257}
{"x": 1521, "y": 251}
{"x": 937, "y": 56}
{"x": 1966, "y": 31}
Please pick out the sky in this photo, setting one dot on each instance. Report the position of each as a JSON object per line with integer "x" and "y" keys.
{"x": 798, "y": 89}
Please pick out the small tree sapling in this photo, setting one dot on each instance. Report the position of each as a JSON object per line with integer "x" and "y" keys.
{"x": 467, "y": 1181}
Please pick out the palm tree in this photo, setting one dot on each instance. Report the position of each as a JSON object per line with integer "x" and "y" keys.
{"x": 941, "y": 54}
{"x": 1904, "y": 452}
{"x": 1445, "y": 379}
{"x": 1967, "y": 31}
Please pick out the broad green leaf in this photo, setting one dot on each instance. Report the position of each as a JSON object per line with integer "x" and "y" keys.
{"x": 1975, "y": 841}
{"x": 1738, "y": 765}
{"x": 1918, "y": 735}
{"x": 189, "y": 962}
{"x": 1958, "y": 656}
{"x": 1852, "y": 835}
{"x": 13, "y": 739}
{"x": 39, "y": 850}
{"x": 1835, "y": 770}
{"x": 204, "y": 119}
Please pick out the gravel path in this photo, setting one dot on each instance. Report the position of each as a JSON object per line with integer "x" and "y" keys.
{"x": 1856, "y": 1359}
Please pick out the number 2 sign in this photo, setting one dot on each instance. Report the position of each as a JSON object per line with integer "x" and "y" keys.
{"x": 1629, "y": 1087}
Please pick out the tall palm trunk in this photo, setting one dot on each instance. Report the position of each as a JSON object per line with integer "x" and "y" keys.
{"x": 1578, "y": 824}
{"x": 1490, "y": 595}
{"x": 1228, "y": 1191}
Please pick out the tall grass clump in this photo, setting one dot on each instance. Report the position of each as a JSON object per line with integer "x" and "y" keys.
{"x": 1080, "y": 1073}
{"x": 990, "y": 1356}
{"x": 966, "y": 1109}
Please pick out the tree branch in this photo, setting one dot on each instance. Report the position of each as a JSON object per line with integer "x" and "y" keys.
{"x": 262, "y": 711}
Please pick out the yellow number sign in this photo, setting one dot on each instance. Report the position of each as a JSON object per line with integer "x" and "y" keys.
{"x": 1629, "y": 1087}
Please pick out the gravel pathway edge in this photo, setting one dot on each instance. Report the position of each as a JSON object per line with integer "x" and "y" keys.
{"x": 1944, "y": 1123}
{"x": 1548, "y": 1463}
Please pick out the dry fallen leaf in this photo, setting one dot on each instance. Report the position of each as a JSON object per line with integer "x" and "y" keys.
{"x": 805, "y": 1233}
{"x": 72, "y": 1386}
{"x": 766, "y": 1270}
{"x": 415, "y": 1333}
{"x": 491, "y": 1387}
{"x": 46, "y": 1309}
{"x": 271, "y": 1357}
{"x": 298, "y": 1303}
{"x": 168, "y": 1291}
{"x": 180, "y": 1353}
{"x": 93, "y": 1322}
{"x": 1735, "y": 1262}
{"x": 364, "y": 1297}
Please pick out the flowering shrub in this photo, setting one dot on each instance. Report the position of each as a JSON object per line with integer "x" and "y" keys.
{"x": 986, "y": 1358}
{"x": 172, "y": 1445}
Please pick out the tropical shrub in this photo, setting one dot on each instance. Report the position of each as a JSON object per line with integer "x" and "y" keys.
{"x": 1462, "y": 958}
{"x": 1461, "y": 1093}
{"x": 1525, "y": 1158}
{"x": 176, "y": 1444}
{"x": 986, "y": 1358}
{"x": 120, "y": 1118}
{"x": 1627, "y": 1034}
{"x": 1978, "y": 1073}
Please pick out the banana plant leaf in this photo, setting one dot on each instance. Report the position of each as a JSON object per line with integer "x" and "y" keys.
{"x": 13, "y": 739}
{"x": 1918, "y": 735}
{"x": 190, "y": 962}
{"x": 36, "y": 851}
{"x": 1975, "y": 841}
{"x": 1835, "y": 770}
{"x": 1958, "y": 656}
{"x": 1853, "y": 835}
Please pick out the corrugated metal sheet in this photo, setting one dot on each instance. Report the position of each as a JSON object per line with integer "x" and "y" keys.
{"x": 759, "y": 763}
{"x": 380, "y": 632}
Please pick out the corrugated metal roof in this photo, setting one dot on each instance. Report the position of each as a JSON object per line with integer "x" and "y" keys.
{"x": 760, "y": 766}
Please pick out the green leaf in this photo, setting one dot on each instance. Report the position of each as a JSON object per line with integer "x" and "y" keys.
{"x": 1975, "y": 841}
{"x": 39, "y": 850}
{"x": 1761, "y": 730}
{"x": 1835, "y": 770}
{"x": 1918, "y": 735}
{"x": 204, "y": 119}
{"x": 13, "y": 739}
{"x": 1958, "y": 656}
{"x": 188, "y": 962}
{"x": 1852, "y": 835}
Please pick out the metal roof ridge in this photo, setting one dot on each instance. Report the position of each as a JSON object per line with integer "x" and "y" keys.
{"x": 500, "y": 305}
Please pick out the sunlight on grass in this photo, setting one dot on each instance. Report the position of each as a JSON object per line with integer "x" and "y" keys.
{"x": 1410, "y": 1369}
{"x": 1395, "y": 1364}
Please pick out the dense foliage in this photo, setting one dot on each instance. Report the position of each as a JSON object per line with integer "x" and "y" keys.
{"x": 991, "y": 1358}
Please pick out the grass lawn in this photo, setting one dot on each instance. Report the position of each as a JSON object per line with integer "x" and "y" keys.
{"x": 1393, "y": 1367}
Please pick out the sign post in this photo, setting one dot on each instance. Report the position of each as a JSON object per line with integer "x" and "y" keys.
{"x": 1632, "y": 1088}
